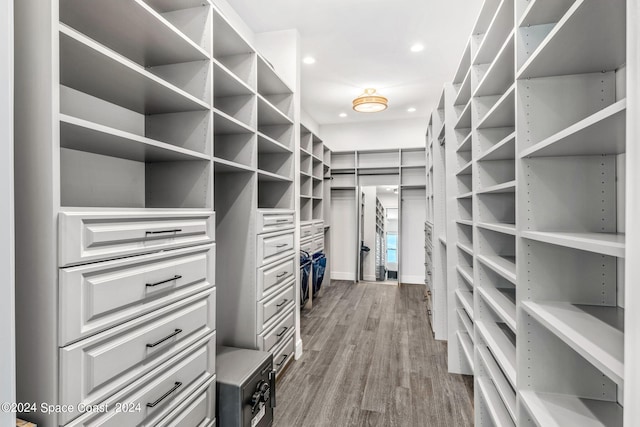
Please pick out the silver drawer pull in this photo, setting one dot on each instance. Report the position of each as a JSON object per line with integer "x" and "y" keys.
{"x": 284, "y": 357}
{"x": 176, "y": 386}
{"x": 282, "y": 274}
{"x": 284, "y": 301}
{"x": 175, "y": 230}
{"x": 283, "y": 331}
{"x": 176, "y": 277}
{"x": 176, "y": 332}
{"x": 282, "y": 220}
{"x": 282, "y": 245}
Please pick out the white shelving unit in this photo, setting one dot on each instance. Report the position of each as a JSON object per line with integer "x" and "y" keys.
{"x": 538, "y": 207}
{"x": 115, "y": 228}
{"x": 315, "y": 201}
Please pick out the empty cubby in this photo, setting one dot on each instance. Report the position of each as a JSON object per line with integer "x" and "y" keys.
{"x": 283, "y": 134}
{"x": 497, "y": 208}
{"x": 494, "y": 172}
{"x": 275, "y": 194}
{"x": 237, "y": 148}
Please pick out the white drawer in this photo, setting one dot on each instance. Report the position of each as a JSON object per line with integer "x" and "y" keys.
{"x": 159, "y": 392}
{"x": 306, "y": 231}
{"x": 87, "y": 236}
{"x": 267, "y": 340}
{"x": 318, "y": 244}
{"x": 98, "y": 296}
{"x": 197, "y": 410}
{"x": 274, "y": 246}
{"x": 284, "y": 353}
{"x": 268, "y": 309}
{"x": 101, "y": 365}
{"x": 307, "y": 246}
{"x": 274, "y": 274}
{"x": 318, "y": 228}
{"x": 275, "y": 220}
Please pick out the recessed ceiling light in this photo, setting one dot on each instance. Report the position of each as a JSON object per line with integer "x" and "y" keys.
{"x": 417, "y": 47}
{"x": 309, "y": 60}
{"x": 343, "y": 115}
{"x": 389, "y": 188}
{"x": 411, "y": 109}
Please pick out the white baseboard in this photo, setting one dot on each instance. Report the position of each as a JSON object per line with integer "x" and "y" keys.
{"x": 368, "y": 278}
{"x": 339, "y": 275}
{"x": 299, "y": 349}
{"x": 412, "y": 280}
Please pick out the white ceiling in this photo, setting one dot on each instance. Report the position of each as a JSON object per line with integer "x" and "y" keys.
{"x": 366, "y": 43}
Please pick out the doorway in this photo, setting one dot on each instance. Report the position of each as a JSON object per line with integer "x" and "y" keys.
{"x": 378, "y": 234}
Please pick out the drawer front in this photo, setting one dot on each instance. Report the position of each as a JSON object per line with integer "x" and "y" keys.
{"x": 87, "y": 237}
{"x": 100, "y": 365}
{"x": 198, "y": 410}
{"x": 269, "y": 309}
{"x": 158, "y": 393}
{"x": 267, "y": 340}
{"x": 318, "y": 228}
{"x": 306, "y": 231}
{"x": 307, "y": 246}
{"x": 285, "y": 353}
{"x": 275, "y": 220}
{"x": 318, "y": 244}
{"x": 275, "y": 274}
{"x": 272, "y": 247}
{"x": 98, "y": 296}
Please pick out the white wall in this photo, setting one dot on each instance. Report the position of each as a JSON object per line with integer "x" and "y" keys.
{"x": 375, "y": 134}
{"x": 7, "y": 328}
{"x": 310, "y": 123}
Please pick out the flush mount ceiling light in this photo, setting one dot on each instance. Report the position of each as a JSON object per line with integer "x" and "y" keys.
{"x": 417, "y": 47}
{"x": 370, "y": 102}
{"x": 309, "y": 60}
{"x": 343, "y": 115}
{"x": 411, "y": 109}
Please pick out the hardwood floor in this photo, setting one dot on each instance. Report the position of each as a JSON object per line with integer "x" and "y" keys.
{"x": 370, "y": 360}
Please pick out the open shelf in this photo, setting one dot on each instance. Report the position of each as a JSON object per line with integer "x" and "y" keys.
{"x": 466, "y": 299}
{"x": 556, "y": 410}
{"x": 467, "y": 195}
{"x": 228, "y": 166}
{"x": 578, "y": 44}
{"x": 465, "y": 145}
{"x": 269, "y": 82}
{"x": 82, "y": 135}
{"x": 464, "y": 118}
{"x": 465, "y": 222}
{"x": 228, "y": 84}
{"x": 502, "y": 114}
{"x": 270, "y": 176}
{"x": 466, "y": 272}
{"x": 499, "y": 227}
{"x": 505, "y": 391}
{"x": 463, "y": 90}
{"x": 502, "y": 303}
{"x": 465, "y": 248}
{"x": 268, "y": 145}
{"x": 612, "y": 244}
{"x": 500, "y": 74}
{"x": 501, "y": 25}
{"x": 93, "y": 69}
{"x": 134, "y": 30}
{"x": 225, "y": 124}
{"x": 466, "y": 321}
{"x": 505, "y": 266}
{"x": 507, "y": 187}
{"x": 466, "y": 169}
{"x": 540, "y": 12}
{"x": 494, "y": 404}
{"x": 594, "y": 332}
{"x": 269, "y": 115}
{"x": 467, "y": 346}
{"x": 501, "y": 346}
{"x": 598, "y": 134}
{"x": 505, "y": 149}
